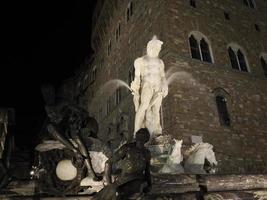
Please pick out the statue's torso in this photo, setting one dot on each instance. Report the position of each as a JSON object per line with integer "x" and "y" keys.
{"x": 134, "y": 163}
{"x": 151, "y": 71}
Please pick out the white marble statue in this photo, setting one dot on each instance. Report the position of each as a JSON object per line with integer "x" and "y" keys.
{"x": 149, "y": 87}
{"x": 195, "y": 159}
{"x": 172, "y": 165}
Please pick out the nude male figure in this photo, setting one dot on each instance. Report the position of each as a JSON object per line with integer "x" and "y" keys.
{"x": 149, "y": 88}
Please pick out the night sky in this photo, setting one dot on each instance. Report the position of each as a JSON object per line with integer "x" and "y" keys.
{"x": 42, "y": 41}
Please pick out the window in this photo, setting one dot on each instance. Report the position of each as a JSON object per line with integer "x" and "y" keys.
{"x": 249, "y": 3}
{"x": 257, "y": 28}
{"x": 233, "y": 59}
{"x": 129, "y": 11}
{"x": 264, "y": 66}
{"x": 93, "y": 74}
{"x": 109, "y": 47}
{"x": 108, "y": 105}
{"x": 237, "y": 58}
{"x": 193, "y": 3}
{"x": 195, "y": 53}
{"x": 118, "y": 96}
{"x": 118, "y": 32}
{"x": 205, "y": 51}
{"x": 226, "y": 16}
{"x": 200, "y": 48}
{"x": 242, "y": 61}
{"x": 222, "y": 110}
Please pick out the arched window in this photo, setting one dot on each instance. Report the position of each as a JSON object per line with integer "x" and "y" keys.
{"x": 118, "y": 96}
{"x": 205, "y": 51}
{"x": 199, "y": 47}
{"x": 109, "y": 47}
{"x": 118, "y": 32}
{"x": 249, "y": 3}
{"x": 242, "y": 61}
{"x": 193, "y": 3}
{"x": 222, "y": 110}
{"x": 129, "y": 11}
{"x": 246, "y": 2}
{"x": 264, "y": 66}
{"x": 195, "y": 53}
{"x": 233, "y": 58}
{"x": 237, "y": 58}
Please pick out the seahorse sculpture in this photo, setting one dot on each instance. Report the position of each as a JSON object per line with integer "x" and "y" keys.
{"x": 172, "y": 165}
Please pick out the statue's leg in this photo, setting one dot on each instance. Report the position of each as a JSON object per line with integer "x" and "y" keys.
{"x": 87, "y": 160}
{"x": 156, "y": 115}
{"x": 149, "y": 121}
{"x": 146, "y": 96}
{"x": 58, "y": 135}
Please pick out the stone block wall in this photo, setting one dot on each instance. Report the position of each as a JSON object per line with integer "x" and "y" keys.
{"x": 239, "y": 147}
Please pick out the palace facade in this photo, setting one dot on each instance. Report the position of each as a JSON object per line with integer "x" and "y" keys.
{"x": 218, "y": 49}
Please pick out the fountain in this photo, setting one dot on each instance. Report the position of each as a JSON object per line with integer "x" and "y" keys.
{"x": 149, "y": 88}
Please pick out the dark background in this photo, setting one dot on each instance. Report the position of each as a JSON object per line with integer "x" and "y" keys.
{"x": 42, "y": 41}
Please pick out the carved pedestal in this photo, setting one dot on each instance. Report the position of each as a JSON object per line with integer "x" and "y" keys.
{"x": 159, "y": 149}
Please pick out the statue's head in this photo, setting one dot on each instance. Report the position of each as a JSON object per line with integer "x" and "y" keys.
{"x": 154, "y": 47}
{"x": 142, "y": 135}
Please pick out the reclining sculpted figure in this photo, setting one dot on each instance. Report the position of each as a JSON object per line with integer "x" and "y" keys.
{"x": 66, "y": 124}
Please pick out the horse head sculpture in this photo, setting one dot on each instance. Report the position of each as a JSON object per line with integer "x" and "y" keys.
{"x": 200, "y": 159}
{"x": 174, "y": 159}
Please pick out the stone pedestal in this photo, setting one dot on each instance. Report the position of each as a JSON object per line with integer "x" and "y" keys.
{"x": 219, "y": 182}
{"x": 19, "y": 188}
{"x": 173, "y": 184}
{"x": 160, "y": 148}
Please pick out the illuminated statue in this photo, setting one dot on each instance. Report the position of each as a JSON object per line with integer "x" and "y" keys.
{"x": 149, "y": 88}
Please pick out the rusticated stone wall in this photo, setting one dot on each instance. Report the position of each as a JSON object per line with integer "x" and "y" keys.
{"x": 190, "y": 108}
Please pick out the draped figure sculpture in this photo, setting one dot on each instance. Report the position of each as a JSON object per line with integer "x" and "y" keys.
{"x": 149, "y": 87}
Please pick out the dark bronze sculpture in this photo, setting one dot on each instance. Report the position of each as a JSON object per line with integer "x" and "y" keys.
{"x": 135, "y": 172}
{"x": 69, "y": 124}
{"x": 5, "y": 174}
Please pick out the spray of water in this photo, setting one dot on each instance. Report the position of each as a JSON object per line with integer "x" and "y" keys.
{"x": 185, "y": 79}
{"x": 172, "y": 75}
{"x": 181, "y": 77}
{"x": 170, "y": 71}
{"x": 107, "y": 90}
